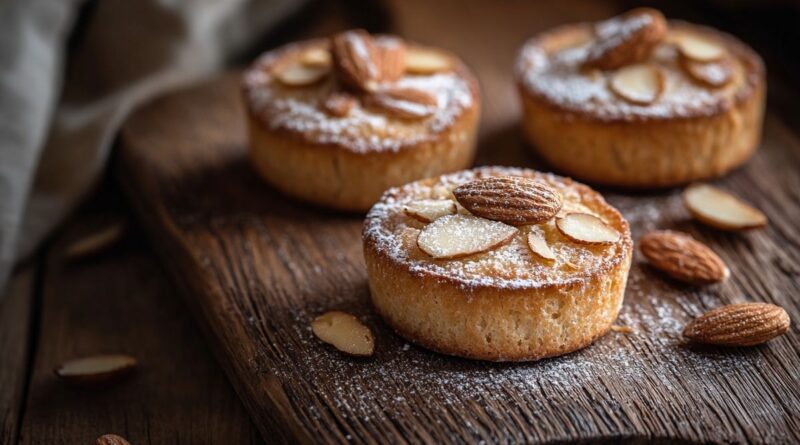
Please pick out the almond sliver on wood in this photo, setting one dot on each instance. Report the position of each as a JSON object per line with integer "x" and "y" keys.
{"x": 96, "y": 369}
{"x": 456, "y": 236}
{"x": 720, "y": 209}
{"x": 639, "y": 84}
{"x": 345, "y": 332}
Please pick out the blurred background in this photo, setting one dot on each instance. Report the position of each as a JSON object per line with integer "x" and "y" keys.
{"x": 72, "y": 71}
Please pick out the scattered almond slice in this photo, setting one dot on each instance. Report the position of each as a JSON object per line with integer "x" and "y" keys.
{"x": 96, "y": 242}
{"x": 699, "y": 49}
{"x": 345, "y": 332}
{"x": 316, "y": 57}
{"x": 639, "y": 84}
{"x": 587, "y": 229}
{"x": 456, "y": 236}
{"x": 403, "y": 103}
{"x": 298, "y": 75}
{"x": 621, "y": 329}
{"x": 711, "y": 74}
{"x": 339, "y": 104}
{"x": 426, "y": 61}
{"x": 429, "y": 210}
{"x": 539, "y": 246}
{"x": 96, "y": 370}
{"x": 721, "y": 210}
{"x": 111, "y": 439}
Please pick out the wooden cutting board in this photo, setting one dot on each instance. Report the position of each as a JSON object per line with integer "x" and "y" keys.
{"x": 257, "y": 267}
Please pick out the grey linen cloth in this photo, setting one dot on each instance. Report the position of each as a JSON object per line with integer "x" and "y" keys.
{"x": 58, "y": 120}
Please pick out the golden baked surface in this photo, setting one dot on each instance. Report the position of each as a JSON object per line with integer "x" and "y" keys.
{"x": 298, "y": 111}
{"x": 393, "y": 234}
{"x": 550, "y": 68}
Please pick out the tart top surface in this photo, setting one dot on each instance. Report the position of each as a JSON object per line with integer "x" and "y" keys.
{"x": 423, "y": 227}
{"x": 359, "y": 92}
{"x": 615, "y": 70}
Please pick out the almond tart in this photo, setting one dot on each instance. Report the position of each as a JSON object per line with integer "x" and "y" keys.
{"x": 337, "y": 121}
{"x": 639, "y": 101}
{"x": 496, "y": 263}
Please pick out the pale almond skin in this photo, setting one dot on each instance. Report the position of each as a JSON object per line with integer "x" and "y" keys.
{"x": 355, "y": 57}
{"x": 615, "y": 50}
{"x": 510, "y": 199}
{"x": 111, "y": 439}
{"x": 745, "y": 324}
{"x": 683, "y": 258}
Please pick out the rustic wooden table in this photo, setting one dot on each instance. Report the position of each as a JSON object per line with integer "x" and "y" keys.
{"x": 123, "y": 300}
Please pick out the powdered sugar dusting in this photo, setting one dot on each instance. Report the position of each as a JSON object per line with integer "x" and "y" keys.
{"x": 299, "y": 110}
{"x": 557, "y": 77}
{"x": 511, "y": 265}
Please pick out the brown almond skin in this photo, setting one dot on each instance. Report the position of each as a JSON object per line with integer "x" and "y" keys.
{"x": 616, "y": 50}
{"x": 386, "y": 101}
{"x": 510, "y": 199}
{"x": 683, "y": 258}
{"x": 391, "y": 60}
{"x": 111, "y": 439}
{"x": 744, "y": 324}
{"x": 355, "y": 57}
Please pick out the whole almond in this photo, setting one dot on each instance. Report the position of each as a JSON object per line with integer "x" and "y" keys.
{"x": 391, "y": 53}
{"x": 403, "y": 103}
{"x": 625, "y": 39}
{"x": 683, "y": 257}
{"x": 744, "y": 324}
{"x": 111, "y": 439}
{"x": 355, "y": 57}
{"x": 511, "y": 199}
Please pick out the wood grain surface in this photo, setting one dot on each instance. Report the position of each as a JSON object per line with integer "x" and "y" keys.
{"x": 256, "y": 268}
{"x": 120, "y": 301}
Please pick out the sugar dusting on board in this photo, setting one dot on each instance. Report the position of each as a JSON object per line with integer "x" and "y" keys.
{"x": 401, "y": 376}
{"x": 298, "y": 110}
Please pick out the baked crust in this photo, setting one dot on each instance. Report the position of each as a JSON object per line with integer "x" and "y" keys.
{"x": 347, "y": 162}
{"x": 502, "y": 305}
{"x": 692, "y": 132}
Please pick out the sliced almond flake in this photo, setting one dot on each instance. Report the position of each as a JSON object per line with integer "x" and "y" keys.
{"x": 455, "y": 236}
{"x": 700, "y": 49}
{"x": 640, "y": 84}
{"x": 96, "y": 242}
{"x": 720, "y": 209}
{"x": 426, "y": 61}
{"x": 428, "y": 210}
{"x": 345, "y": 332}
{"x": 96, "y": 369}
{"x": 316, "y": 57}
{"x": 711, "y": 74}
{"x": 297, "y": 75}
{"x": 538, "y": 245}
{"x": 587, "y": 229}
